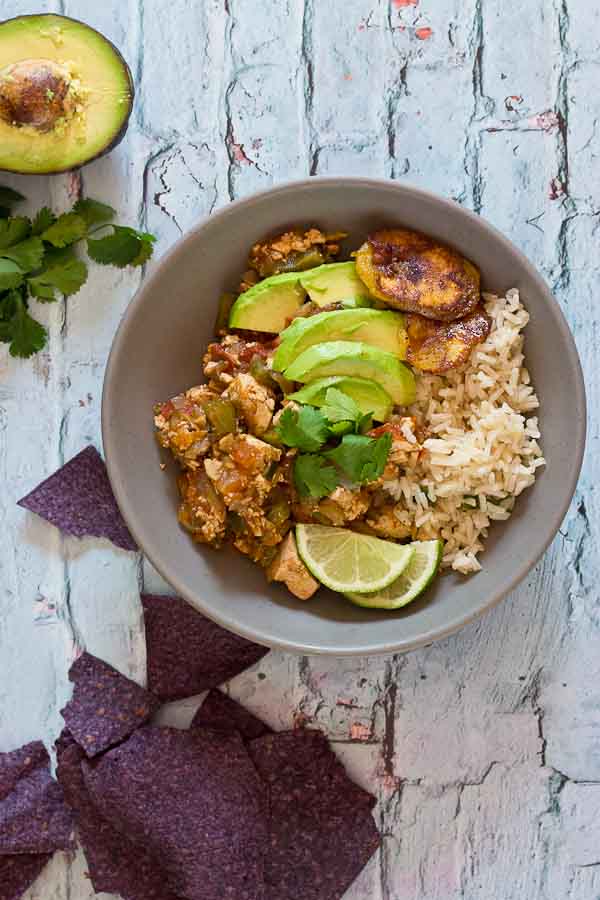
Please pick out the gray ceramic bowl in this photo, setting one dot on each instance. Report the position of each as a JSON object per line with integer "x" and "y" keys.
{"x": 157, "y": 352}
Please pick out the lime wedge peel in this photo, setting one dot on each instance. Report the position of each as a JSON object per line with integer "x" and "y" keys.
{"x": 417, "y": 576}
{"x": 347, "y": 561}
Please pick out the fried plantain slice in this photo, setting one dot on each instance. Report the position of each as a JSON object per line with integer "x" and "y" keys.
{"x": 413, "y": 272}
{"x": 437, "y": 347}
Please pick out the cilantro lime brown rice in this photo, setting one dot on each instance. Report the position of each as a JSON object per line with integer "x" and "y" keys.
{"x": 352, "y": 405}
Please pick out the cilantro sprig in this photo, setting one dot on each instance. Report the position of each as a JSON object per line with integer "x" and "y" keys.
{"x": 324, "y": 464}
{"x": 361, "y": 458}
{"x": 38, "y": 260}
{"x": 313, "y": 476}
{"x": 305, "y": 428}
{"x": 340, "y": 408}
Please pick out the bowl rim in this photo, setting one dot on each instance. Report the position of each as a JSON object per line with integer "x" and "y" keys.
{"x": 384, "y": 647}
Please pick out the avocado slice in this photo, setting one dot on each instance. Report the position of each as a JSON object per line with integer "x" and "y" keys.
{"x": 335, "y": 283}
{"x": 369, "y": 396}
{"x": 269, "y": 305}
{"x": 66, "y": 94}
{"x": 384, "y": 329}
{"x": 357, "y": 360}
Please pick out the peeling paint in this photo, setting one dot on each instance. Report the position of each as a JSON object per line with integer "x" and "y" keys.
{"x": 424, "y": 33}
{"x": 359, "y": 731}
{"x": 546, "y": 121}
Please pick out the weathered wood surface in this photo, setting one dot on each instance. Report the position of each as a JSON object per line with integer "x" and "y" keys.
{"x": 483, "y": 749}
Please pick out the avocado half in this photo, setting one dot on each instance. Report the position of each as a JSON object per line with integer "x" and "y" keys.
{"x": 66, "y": 94}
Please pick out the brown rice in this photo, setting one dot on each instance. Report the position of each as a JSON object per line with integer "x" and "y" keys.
{"x": 482, "y": 447}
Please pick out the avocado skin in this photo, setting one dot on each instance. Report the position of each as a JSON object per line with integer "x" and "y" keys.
{"x": 120, "y": 134}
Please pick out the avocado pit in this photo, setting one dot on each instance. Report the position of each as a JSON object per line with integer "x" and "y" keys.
{"x": 39, "y": 93}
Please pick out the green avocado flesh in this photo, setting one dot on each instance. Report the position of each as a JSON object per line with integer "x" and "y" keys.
{"x": 66, "y": 94}
{"x": 356, "y": 360}
{"x": 335, "y": 283}
{"x": 269, "y": 305}
{"x": 383, "y": 329}
{"x": 369, "y": 396}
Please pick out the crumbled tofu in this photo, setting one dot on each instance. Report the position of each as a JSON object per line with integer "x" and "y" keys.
{"x": 289, "y": 568}
{"x": 202, "y": 512}
{"x": 344, "y": 505}
{"x": 385, "y": 522}
{"x": 252, "y": 454}
{"x": 253, "y": 400}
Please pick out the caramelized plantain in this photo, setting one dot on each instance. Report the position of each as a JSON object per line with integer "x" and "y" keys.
{"x": 413, "y": 272}
{"x": 437, "y": 347}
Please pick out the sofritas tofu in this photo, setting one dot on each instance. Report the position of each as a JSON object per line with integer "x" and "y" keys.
{"x": 289, "y": 568}
{"x": 254, "y": 402}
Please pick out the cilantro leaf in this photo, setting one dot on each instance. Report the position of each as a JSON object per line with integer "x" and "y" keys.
{"x": 13, "y": 230}
{"x": 10, "y": 275}
{"x": 146, "y": 250}
{"x": 8, "y": 305}
{"x": 305, "y": 428}
{"x": 146, "y": 245}
{"x": 45, "y": 293}
{"x": 118, "y": 249}
{"x": 8, "y": 199}
{"x": 93, "y": 212}
{"x": 361, "y": 458}
{"x": 56, "y": 255}
{"x": 43, "y": 220}
{"x": 67, "y": 276}
{"x": 45, "y": 249}
{"x": 27, "y": 335}
{"x": 142, "y": 235}
{"x": 365, "y": 423}
{"x": 67, "y": 229}
{"x": 27, "y": 254}
{"x": 339, "y": 407}
{"x": 339, "y": 428}
{"x": 313, "y": 477}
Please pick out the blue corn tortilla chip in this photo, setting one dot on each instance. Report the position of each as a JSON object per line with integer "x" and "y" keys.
{"x": 34, "y": 818}
{"x": 106, "y": 706}
{"x": 79, "y": 500}
{"x": 224, "y": 714}
{"x": 187, "y": 653}
{"x": 17, "y": 873}
{"x": 115, "y": 864}
{"x": 19, "y": 763}
{"x": 305, "y": 752}
{"x": 194, "y": 801}
{"x": 321, "y": 830}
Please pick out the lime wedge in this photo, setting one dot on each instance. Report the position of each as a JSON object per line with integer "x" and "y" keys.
{"x": 419, "y": 573}
{"x": 346, "y": 561}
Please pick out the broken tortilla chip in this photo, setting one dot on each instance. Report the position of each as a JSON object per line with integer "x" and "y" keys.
{"x": 187, "y": 653}
{"x": 78, "y": 499}
{"x": 116, "y": 865}
{"x": 321, "y": 830}
{"x": 194, "y": 801}
{"x": 17, "y": 873}
{"x": 224, "y": 714}
{"x": 33, "y": 815}
{"x": 106, "y": 706}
